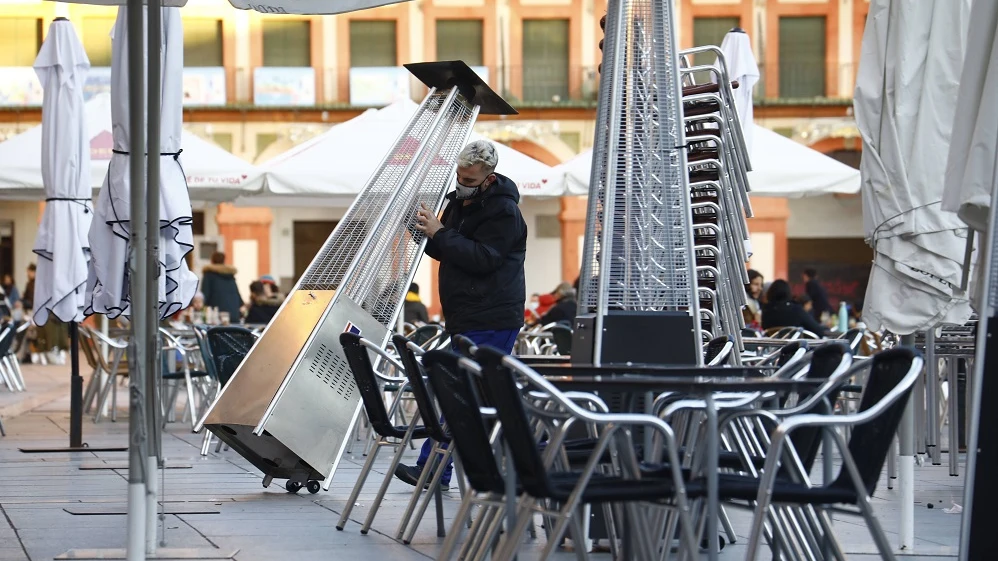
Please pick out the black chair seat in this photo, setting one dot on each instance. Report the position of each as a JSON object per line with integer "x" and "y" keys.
{"x": 418, "y": 433}
{"x": 605, "y": 488}
{"x": 180, "y": 375}
{"x": 740, "y": 487}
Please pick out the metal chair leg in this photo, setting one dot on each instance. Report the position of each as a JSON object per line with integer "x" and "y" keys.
{"x": 434, "y": 485}
{"x": 359, "y": 485}
{"x": 389, "y": 475}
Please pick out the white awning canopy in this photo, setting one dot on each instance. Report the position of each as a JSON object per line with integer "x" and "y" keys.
{"x": 781, "y": 167}
{"x": 213, "y": 174}
{"x": 336, "y": 165}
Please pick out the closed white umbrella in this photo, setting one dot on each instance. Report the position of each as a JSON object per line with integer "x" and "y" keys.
{"x": 972, "y": 168}
{"x": 971, "y": 183}
{"x": 905, "y": 100}
{"x": 906, "y": 95}
{"x": 742, "y": 66}
{"x": 61, "y": 243}
{"x": 108, "y": 284}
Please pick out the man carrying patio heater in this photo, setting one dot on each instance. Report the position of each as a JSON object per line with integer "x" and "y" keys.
{"x": 481, "y": 244}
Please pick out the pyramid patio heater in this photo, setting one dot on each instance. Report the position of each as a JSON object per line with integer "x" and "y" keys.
{"x": 292, "y": 403}
{"x": 638, "y": 288}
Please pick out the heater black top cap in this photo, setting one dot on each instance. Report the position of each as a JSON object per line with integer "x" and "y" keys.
{"x": 447, "y": 74}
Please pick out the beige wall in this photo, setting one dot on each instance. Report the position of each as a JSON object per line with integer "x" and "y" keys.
{"x": 25, "y": 216}
{"x": 826, "y": 216}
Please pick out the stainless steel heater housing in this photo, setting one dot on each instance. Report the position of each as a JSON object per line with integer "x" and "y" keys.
{"x": 638, "y": 271}
{"x": 292, "y": 403}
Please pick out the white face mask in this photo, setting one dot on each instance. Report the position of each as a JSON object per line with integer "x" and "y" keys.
{"x": 463, "y": 192}
{"x": 534, "y": 305}
{"x": 17, "y": 315}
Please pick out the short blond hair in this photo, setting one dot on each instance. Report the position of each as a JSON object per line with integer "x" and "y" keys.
{"x": 479, "y": 152}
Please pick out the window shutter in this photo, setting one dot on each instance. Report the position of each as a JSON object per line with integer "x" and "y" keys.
{"x": 287, "y": 43}
{"x": 203, "y": 42}
{"x": 545, "y": 59}
{"x": 460, "y": 40}
{"x": 373, "y": 43}
{"x": 802, "y": 57}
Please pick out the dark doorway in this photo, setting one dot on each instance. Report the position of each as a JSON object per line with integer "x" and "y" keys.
{"x": 6, "y": 247}
{"x": 308, "y": 239}
{"x": 843, "y": 266}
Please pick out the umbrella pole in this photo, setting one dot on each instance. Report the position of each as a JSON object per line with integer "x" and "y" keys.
{"x": 75, "y": 388}
{"x": 906, "y": 466}
{"x": 153, "y": 92}
{"x": 138, "y": 296}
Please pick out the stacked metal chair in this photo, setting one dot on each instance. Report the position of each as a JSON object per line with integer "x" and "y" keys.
{"x": 717, "y": 162}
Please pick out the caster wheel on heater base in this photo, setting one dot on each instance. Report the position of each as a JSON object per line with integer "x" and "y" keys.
{"x": 313, "y": 487}
{"x": 292, "y": 486}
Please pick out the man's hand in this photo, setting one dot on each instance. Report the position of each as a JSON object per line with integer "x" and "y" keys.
{"x": 427, "y": 222}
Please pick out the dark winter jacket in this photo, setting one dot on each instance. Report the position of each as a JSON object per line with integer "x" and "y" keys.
{"x": 481, "y": 250}
{"x": 789, "y": 314}
{"x": 263, "y": 310}
{"x": 819, "y": 298}
{"x": 218, "y": 284}
{"x": 563, "y": 311}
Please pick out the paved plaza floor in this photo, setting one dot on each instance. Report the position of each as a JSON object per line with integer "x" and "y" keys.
{"x": 49, "y": 505}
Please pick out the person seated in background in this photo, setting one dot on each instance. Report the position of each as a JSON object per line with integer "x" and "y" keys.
{"x": 753, "y": 294}
{"x": 564, "y": 308}
{"x": 780, "y": 310}
{"x": 270, "y": 287}
{"x": 262, "y": 308}
{"x": 414, "y": 311}
{"x": 805, "y": 302}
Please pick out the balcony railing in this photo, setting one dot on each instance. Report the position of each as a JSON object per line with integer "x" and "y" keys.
{"x": 538, "y": 86}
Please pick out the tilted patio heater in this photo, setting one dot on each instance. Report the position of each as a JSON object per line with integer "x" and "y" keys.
{"x": 291, "y": 405}
{"x": 638, "y": 292}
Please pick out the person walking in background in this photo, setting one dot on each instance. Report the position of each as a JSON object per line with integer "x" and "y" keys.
{"x": 481, "y": 244}
{"x": 414, "y": 311}
{"x": 218, "y": 284}
{"x": 780, "y": 310}
{"x": 28, "y": 296}
{"x": 817, "y": 293}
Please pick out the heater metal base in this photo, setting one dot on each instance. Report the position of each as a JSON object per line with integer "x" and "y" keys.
{"x": 292, "y": 404}
{"x": 633, "y": 337}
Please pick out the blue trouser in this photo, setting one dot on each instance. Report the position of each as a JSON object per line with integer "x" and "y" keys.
{"x": 503, "y": 340}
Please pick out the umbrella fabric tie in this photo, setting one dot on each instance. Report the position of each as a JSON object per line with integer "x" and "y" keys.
{"x": 174, "y": 154}
{"x": 83, "y": 202}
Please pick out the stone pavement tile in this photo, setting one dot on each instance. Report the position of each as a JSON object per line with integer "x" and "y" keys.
{"x": 11, "y": 553}
{"x": 356, "y": 551}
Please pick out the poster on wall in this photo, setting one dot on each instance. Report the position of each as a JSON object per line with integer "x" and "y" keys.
{"x": 19, "y": 86}
{"x": 282, "y": 86}
{"x": 377, "y": 86}
{"x": 204, "y": 86}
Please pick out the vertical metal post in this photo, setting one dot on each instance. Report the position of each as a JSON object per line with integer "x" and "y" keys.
{"x": 154, "y": 91}
{"x": 75, "y": 389}
{"x": 906, "y": 466}
{"x": 614, "y": 16}
{"x": 953, "y": 408}
{"x": 932, "y": 397}
{"x": 137, "y": 286}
